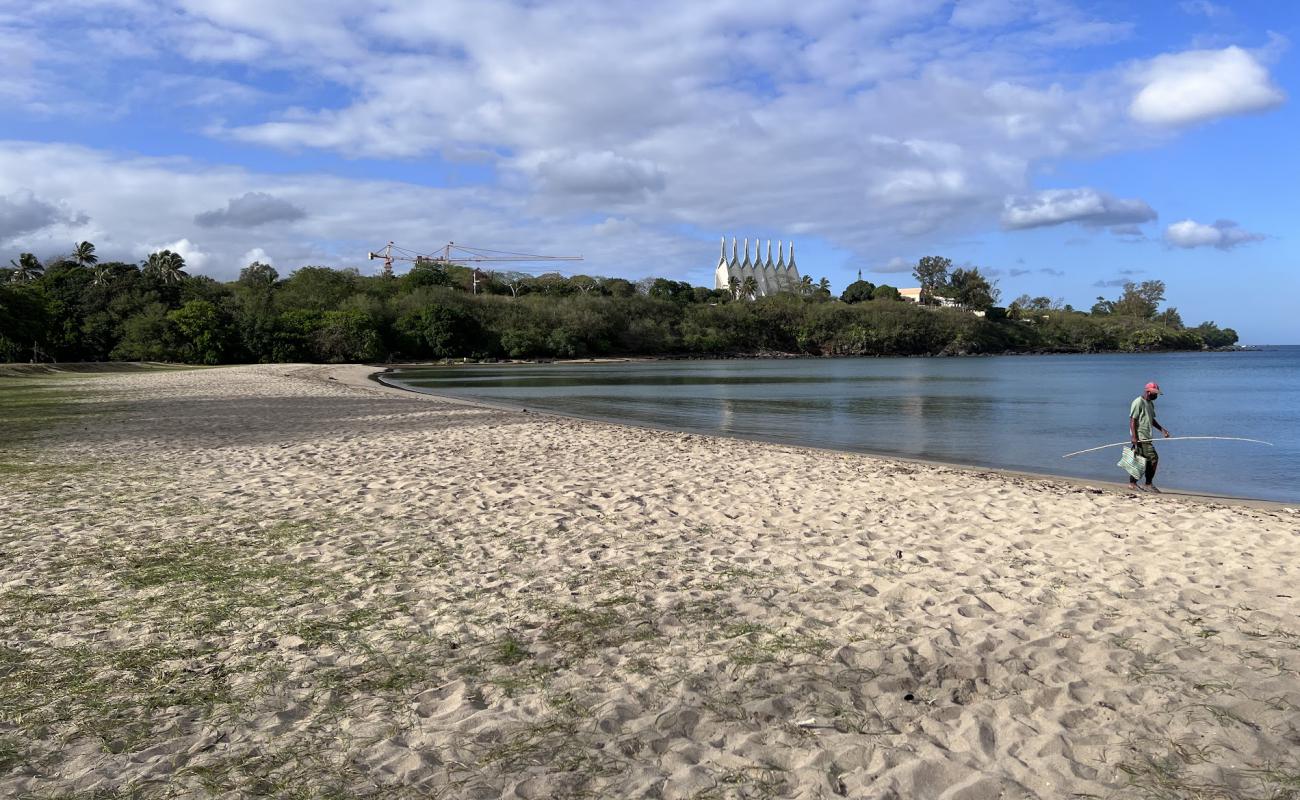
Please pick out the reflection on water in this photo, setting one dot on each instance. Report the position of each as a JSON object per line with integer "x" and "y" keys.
{"x": 1018, "y": 412}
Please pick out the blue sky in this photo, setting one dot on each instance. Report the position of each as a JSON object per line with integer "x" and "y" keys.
{"x": 1061, "y": 147}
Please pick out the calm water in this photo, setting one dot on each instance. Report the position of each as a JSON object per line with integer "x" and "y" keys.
{"x": 1017, "y": 412}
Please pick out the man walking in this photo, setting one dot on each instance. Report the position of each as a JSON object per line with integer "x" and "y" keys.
{"x": 1141, "y": 419}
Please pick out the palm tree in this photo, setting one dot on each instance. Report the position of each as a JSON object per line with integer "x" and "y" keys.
{"x": 84, "y": 254}
{"x": 825, "y": 285}
{"x": 749, "y": 288}
{"x": 26, "y": 268}
{"x": 100, "y": 275}
{"x": 166, "y": 266}
{"x": 733, "y": 283}
{"x": 805, "y": 286}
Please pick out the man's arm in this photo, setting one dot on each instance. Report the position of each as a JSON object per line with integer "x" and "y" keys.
{"x": 1157, "y": 426}
{"x": 1133, "y": 430}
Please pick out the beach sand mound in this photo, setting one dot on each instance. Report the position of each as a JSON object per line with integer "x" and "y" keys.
{"x": 284, "y": 581}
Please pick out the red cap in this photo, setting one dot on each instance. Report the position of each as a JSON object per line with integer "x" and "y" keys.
{"x": 1153, "y": 387}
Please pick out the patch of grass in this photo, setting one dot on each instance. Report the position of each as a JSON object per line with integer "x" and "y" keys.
{"x": 509, "y": 651}
{"x": 38, "y": 470}
{"x": 1174, "y": 770}
{"x": 769, "y": 647}
{"x": 763, "y": 781}
{"x": 13, "y": 752}
{"x": 579, "y": 631}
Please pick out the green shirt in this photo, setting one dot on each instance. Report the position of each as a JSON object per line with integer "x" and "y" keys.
{"x": 1144, "y": 411}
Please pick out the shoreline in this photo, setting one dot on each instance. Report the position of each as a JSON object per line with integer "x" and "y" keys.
{"x": 296, "y": 580}
{"x": 377, "y": 373}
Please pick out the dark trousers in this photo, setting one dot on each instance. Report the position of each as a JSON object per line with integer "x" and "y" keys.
{"x": 1148, "y": 451}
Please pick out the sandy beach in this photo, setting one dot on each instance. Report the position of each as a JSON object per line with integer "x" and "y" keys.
{"x": 290, "y": 581}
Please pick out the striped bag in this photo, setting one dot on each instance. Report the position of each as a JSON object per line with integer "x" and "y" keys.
{"x": 1132, "y": 463}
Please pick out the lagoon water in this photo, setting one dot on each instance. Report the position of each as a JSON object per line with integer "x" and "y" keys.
{"x": 1015, "y": 412}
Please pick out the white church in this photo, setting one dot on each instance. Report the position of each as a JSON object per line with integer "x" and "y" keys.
{"x": 769, "y": 276}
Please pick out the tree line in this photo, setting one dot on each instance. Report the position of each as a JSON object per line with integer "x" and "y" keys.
{"x": 76, "y": 308}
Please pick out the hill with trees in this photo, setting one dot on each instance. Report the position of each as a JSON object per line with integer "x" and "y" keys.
{"x": 76, "y": 308}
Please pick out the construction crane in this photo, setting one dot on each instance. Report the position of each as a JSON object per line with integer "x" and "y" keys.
{"x": 462, "y": 256}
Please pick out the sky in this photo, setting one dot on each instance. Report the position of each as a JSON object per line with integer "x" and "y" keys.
{"x": 1061, "y": 147}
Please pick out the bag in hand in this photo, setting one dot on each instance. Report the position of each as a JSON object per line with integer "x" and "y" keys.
{"x": 1132, "y": 463}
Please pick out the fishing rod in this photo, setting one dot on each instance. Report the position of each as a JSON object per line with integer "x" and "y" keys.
{"x": 1167, "y": 439}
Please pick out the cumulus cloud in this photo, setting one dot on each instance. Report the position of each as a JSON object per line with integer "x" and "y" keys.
{"x": 23, "y": 212}
{"x": 1223, "y": 234}
{"x": 249, "y": 211}
{"x": 875, "y": 128}
{"x": 598, "y": 174}
{"x": 1199, "y": 85}
{"x": 1085, "y": 206}
{"x": 195, "y": 259}
{"x": 257, "y": 255}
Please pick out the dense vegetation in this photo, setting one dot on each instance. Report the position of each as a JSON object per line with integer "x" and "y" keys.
{"x": 77, "y": 309}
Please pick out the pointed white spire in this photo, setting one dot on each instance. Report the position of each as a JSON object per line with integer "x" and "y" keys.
{"x": 780, "y": 256}
{"x": 767, "y": 262}
{"x": 746, "y": 262}
{"x": 722, "y": 252}
{"x": 734, "y": 260}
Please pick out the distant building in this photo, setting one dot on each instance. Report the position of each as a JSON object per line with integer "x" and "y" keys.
{"x": 769, "y": 276}
{"x": 914, "y": 296}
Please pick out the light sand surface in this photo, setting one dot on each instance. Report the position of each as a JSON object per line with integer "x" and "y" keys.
{"x": 284, "y": 581}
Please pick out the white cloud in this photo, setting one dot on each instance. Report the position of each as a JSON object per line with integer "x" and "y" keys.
{"x": 258, "y": 255}
{"x": 195, "y": 259}
{"x": 1223, "y": 234}
{"x": 23, "y": 212}
{"x": 249, "y": 211}
{"x": 1199, "y": 85}
{"x": 602, "y": 174}
{"x": 1083, "y": 205}
{"x": 878, "y": 128}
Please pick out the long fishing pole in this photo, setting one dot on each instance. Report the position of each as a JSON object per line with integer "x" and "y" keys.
{"x": 1167, "y": 439}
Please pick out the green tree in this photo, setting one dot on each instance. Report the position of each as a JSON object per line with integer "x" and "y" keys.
{"x": 204, "y": 333}
{"x": 885, "y": 292}
{"x": 858, "y": 292}
{"x": 1141, "y": 300}
{"x": 971, "y": 290}
{"x": 26, "y": 268}
{"x": 25, "y": 320}
{"x": 446, "y": 331}
{"x": 618, "y": 287}
{"x": 749, "y": 287}
{"x": 166, "y": 267}
{"x": 1170, "y": 318}
{"x": 676, "y": 291}
{"x": 345, "y": 336}
{"x": 258, "y": 276}
{"x": 83, "y": 253}
{"x": 932, "y": 273}
{"x": 316, "y": 288}
{"x": 427, "y": 272}
{"x": 148, "y": 336}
